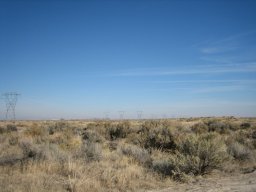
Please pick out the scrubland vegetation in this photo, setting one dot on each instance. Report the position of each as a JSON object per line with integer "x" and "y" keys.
{"x": 121, "y": 155}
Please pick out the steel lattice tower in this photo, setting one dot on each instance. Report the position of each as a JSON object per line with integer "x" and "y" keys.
{"x": 139, "y": 114}
{"x": 106, "y": 115}
{"x": 121, "y": 114}
{"x": 10, "y": 99}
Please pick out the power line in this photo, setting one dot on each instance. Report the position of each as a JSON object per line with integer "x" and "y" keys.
{"x": 10, "y": 99}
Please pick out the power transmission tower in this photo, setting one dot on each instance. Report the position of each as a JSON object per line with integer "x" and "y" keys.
{"x": 10, "y": 99}
{"x": 164, "y": 116}
{"x": 139, "y": 114}
{"x": 106, "y": 115}
{"x": 153, "y": 116}
{"x": 121, "y": 114}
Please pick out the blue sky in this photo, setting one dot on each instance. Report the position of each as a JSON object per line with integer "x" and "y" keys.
{"x": 81, "y": 59}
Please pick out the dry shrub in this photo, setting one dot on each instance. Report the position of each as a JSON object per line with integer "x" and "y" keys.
{"x": 10, "y": 154}
{"x": 194, "y": 155}
{"x": 100, "y": 127}
{"x": 222, "y": 126}
{"x": 219, "y": 127}
{"x": 38, "y": 153}
{"x": 208, "y": 149}
{"x": 56, "y": 154}
{"x": 91, "y": 151}
{"x": 120, "y": 130}
{"x": 245, "y": 125}
{"x": 139, "y": 154}
{"x": 70, "y": 144}
{"x": 157, "y": 137}
{"x": 244, "y": 137}
{"x": 72, "y": 159}
{"x": 253, "y": 134}
{"x": 3, "y": 138}
{"x": 92, "y": 136}
{"x": 35, "y": 131}
{"x": 49, "y": 166}
{"x": 199, "y": 128}
{"x": 13, "y": 139}
{"x": 240, "y": 152}
{"x": 163, "y": 166}
{"x": 60, "y": 126}
{"x": 33, "y": 151}
{"x": 66, "y": 139}
{"x": 11, "y": 127}
{"x": 112, "y": 145}
{"x": 2, "y": 130}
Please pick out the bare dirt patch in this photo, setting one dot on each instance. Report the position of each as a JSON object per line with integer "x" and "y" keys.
{"x": 235, "y": 183}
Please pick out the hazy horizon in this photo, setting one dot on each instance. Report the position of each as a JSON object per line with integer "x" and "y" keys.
{"x": 83, "y": 59}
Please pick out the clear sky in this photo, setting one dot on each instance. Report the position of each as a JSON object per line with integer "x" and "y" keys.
{"x": 81, "y": 59}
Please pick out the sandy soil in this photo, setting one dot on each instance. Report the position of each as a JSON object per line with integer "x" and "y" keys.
{"x": 235, "y": 183}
